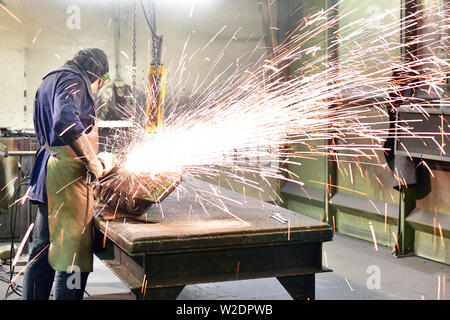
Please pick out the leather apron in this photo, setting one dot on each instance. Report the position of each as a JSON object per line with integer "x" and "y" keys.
{"x": 70, "y": 209}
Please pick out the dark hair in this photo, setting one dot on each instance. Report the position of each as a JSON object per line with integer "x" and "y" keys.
{"x": 93, "y": 61}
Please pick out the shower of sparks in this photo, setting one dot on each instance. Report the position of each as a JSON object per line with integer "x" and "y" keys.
{"x": 251, "y": 116}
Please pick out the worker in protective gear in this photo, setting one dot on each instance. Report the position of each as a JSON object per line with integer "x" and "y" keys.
{"x": 65, "y": 168}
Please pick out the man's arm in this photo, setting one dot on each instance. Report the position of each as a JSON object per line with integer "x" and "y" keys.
{"x": 67, "y": 124}
{"x": 67, "y": 101}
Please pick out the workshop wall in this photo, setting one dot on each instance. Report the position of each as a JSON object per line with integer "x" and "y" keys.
{"x": 12, "y": 99}
{"x": 49, "y": 33}
{"x": 373, "y": 201}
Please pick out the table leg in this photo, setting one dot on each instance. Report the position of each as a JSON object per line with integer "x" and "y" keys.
{"x": 299, "y": 287}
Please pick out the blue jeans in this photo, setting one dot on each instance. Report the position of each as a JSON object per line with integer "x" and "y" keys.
{"x": 39, "y": 275}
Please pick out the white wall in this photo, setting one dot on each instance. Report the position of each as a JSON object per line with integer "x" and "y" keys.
{"x": 12, "y": 85}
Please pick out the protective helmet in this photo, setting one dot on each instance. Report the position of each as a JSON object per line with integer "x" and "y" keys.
{"x": 93, "y": 61}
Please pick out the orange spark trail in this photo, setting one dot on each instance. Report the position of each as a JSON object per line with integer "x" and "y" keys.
{"x": 36, "y": 36}
{"x": 442, "y": 236}
{"x": 8, "y": 183}
{"x": 385, "y": 217}
{"x": 289, "y": 230}
{"x": 373, "y": 236}
{"x": 21, "y": 271}
{"x": 10, "y": 13}
{"x": 336, "y": 186}
{"x": 22, "y": 244}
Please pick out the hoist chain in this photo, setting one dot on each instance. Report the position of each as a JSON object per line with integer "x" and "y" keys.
{"x": 156, "y": 40}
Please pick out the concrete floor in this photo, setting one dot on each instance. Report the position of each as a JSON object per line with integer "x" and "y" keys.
{"x": 356, "y": 265}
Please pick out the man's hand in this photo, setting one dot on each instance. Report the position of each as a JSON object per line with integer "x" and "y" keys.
{"x": 108, "y": 160}
{"x": 85, "y": 152}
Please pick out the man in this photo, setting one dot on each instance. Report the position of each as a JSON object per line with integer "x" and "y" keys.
{"x": 67, "y": 163}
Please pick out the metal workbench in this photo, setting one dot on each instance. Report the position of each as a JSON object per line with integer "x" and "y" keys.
{"x": 197, "y": 242}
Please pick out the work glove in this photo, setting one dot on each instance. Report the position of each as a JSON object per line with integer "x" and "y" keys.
{"x": 85, "y": 152}
{"x": 108, "y": 160}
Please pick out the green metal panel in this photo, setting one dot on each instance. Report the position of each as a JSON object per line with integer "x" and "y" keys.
{"x": 432, "y": 247}
{"x": 356, "y": 178}
{"x": 266, "y": 188}
{"x": 438, "y": 200}
{"x": 374, "y": 181}
{"x": 309, "y": 171}
{"x": 358, "y": 226}
{"x": 364, "y": 175}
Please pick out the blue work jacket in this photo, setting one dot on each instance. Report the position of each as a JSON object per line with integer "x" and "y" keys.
{"x": 64, "y": 109}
